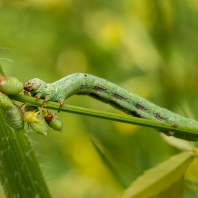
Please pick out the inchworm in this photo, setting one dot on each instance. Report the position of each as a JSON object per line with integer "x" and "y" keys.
{"x": 108, "y": 92}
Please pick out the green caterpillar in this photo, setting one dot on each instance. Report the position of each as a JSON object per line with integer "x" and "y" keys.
{"x": 108, "y": 92}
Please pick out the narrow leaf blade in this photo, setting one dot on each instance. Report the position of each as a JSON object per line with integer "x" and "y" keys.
{"x": 178, "y": 143}
{"x": 161, "y": 177}
{"x": 191, "y": 179}
{"x": 175, "y": 190}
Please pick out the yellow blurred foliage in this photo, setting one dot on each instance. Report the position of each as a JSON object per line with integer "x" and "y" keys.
{"x": 107, "y": 31}
{"x": 71, "y": 61}
{"x": 192, "y": 172}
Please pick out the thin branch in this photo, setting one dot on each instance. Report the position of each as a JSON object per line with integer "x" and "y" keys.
{"x": 105, "y": 115}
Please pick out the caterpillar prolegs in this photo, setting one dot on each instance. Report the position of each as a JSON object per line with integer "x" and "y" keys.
{"x": 15, "y": 116}
{"x": 108, "y": 92}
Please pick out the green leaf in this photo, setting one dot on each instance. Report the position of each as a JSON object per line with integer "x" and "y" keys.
{"x": 161, "y": 177}
{"x": 191, "y": 178}
{"x": 176, "y": 190}
{"x": 108, "y": 164}
{"x": 178, "y": 143}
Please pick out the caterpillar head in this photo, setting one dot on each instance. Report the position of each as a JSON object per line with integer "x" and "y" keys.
{"x": 33, "y": 84}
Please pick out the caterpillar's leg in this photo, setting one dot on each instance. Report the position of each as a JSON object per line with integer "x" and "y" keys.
{"x": 171, "y": 133}
{"x": 46, "y": 99}
{"x": 22, "y": 107}
{"x": 44, "y": 103}
{"x": 174, "y": 125}
{"x": 60, "y": 99}
{"x": 61, "y": 102}
{"x": 26, "y": 93}
{"x": 38, "y": 96}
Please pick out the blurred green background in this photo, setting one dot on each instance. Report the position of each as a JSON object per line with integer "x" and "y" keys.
{"x": 149, "y": 47}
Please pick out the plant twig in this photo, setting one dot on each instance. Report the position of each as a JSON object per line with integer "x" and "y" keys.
{"x": 105, "y": 115}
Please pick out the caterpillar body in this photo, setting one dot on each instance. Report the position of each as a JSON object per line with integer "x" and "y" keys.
{"x": 108, "y": 92}
{"x": 14, "y": 118}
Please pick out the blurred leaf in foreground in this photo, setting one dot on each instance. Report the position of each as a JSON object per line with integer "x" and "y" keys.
{"x": 191, "y": 178}
{"x": 161, "y": 178}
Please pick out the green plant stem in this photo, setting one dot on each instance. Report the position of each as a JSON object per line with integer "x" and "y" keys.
{"x": 20, "y": 174}
{"x": 104, "y": 115}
